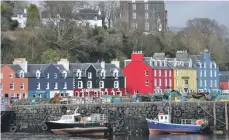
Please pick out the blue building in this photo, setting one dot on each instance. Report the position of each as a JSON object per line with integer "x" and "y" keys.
{"x": 47, "y": 79}
{"x": 207, "y": 72}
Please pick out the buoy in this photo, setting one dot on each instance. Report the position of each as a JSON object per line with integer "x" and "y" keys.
{"x": 13, "y": 129}
{"x": 10, "y": 106}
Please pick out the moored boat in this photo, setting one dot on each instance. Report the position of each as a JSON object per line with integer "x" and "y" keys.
{"x": 75, "y": 124}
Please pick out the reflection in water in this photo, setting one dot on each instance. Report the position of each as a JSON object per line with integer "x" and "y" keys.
{"x": 30, "y": 136}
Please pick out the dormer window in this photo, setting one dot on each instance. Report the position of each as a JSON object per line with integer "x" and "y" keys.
{"x": 181, "y": 63}
{"x": 64, "y": 74}
{"x": 155, "y": 63}
{"x": 95, "y": 17}
{"x": 115, "y": 73}
{"x": 103, "y": 73}
{"x": 11, "y": 75}
{"x": 47, "y": 75}
{"x": 21, "y": 74}
{"x": 160, "y": 63}
{"x": 89, "y": 75}
{"x": 38, "y": 74}
{"x": 178, "y": 63}
{"x": 200, "y": 64}
{"x": 78, "y": 73}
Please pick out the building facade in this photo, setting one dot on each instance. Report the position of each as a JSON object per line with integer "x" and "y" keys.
{"x": 207, "y": 72}
{"x": 145, "y": 16}
{"x": 185, "y": 75}
{"x": 21, "y": 18}
{"x": 14, "y": 82}
{"x": 98, "y": 79}
{"x": 46, "y": 80}
{"x": 224, "y": 81}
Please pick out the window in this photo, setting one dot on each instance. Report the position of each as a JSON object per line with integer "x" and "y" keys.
{"x": 146, "y": 73}
{"x": 1, "y": 76}
{"x": 146, "y": 26}
{"x": 205, "y": 73}
{"x": 170, "y": 73}
{"x": 1, "y": 86}
{"x": 89, "y": 75}
{"x": 215, "y": 73}
{"x": 11, "y": 75}
{"x": 155, "y": 82}
{"x": 55, "y": 75}
{"x": 210, "y": 73}
{"x": 134, "y": 6}
{"x": 201, "y": 83}
{"x": 89, "y": 84}
{"x": 159, "y": 82}
{"x": 211, "y": 83}
{"x": 12, "y": 86}
{"x": 155, "y": 63}
{"x": 134, "y": 25}
{"x": 23, "y": 96}
{"x": 65, "y": 85}
{"x": 205, "y": 83}
{"x": 38, "y": 74}
{"x": 161, "y": 117}
{"x": 165, "y": 73}
{"x": 204, "y": 65}
{"x": 146, "y": 15}
{"x": 170, "y": 82}
{"x": 55, "y": 85}
{"x": 64, "y": 74}
{"x": 116, "y": 84}
{"x": 78, "y": 74}
{"x": 146, "y": 6}
{"x": 21, "y": 74}
{"x": 80, "y": 84}
{"x": 22, "y": 86}
{"x": 165, "y": 117}
{"x": 115, "y": 74}
{"x": 177, "y": 82}
{"x": 200, "y": 64}
{"x": 38, "y": 85}
{"x": 165, "y": 82}
{"x": 201, "y": 73}
{"x": 95, "y": 17}
{"x": 47, "y": 75}
{"x": 211, "y": 64}
{"x": 177, "y": 73}
{"x": 147, "y": 82}
{"x": 159, "y": 72}
{"x": 155, "y": 73}
{"x": 47, "y": 85}
{"x": 101, "y": 84}
{"x": 103, "y": 74}
{"x": 215, "y": 83}
{"x": 134, "y": 15}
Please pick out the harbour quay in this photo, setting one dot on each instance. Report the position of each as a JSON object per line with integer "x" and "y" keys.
{"x": 124, "y": 118}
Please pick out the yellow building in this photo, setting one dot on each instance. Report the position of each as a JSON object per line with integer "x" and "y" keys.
{"x": 185, "y": 75}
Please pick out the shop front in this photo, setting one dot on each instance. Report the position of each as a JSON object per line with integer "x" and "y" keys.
{"x": 62, "y": 93}
{"x": 97, "y": 92}
{"x": 39, "y": 94}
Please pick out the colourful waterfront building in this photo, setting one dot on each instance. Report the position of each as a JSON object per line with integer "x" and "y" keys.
{"x": 207, "y": 72}
{"x": 185, "y": 75}
{"x": 224, "y": 81}
{"x": 14, "y": 79}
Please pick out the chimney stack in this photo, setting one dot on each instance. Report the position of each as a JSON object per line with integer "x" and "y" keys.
{"x": 64, "y": 62}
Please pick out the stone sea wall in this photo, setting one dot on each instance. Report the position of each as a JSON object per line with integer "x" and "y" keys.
{"x": 125, "y": 118}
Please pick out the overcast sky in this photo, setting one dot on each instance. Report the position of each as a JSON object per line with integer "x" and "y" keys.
{"x": 180, "y": 11}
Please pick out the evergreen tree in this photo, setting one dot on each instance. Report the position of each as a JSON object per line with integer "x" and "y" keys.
{"x": 33, "y": 18}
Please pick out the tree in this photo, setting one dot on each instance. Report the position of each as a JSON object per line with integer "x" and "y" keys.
{"x": 33, "y": 19}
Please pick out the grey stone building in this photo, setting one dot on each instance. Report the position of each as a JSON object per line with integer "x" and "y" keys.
{"x": 145, "y": 16}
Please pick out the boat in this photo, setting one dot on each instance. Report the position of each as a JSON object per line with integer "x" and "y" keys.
{"x": 162, "y": 124}
{"x": 75, "y": 124}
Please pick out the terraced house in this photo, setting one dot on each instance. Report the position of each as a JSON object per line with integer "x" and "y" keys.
{"x": 185, "y": 75}
{"x": 46, "y": 80}
{"x": 224, "y": 81}
{"x": 14, "y": 79}
{"x": 97, "y": 79}
{"x": 207, "y": 72}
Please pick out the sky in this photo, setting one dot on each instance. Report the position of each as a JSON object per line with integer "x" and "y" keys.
{"x": 181, "y": 11}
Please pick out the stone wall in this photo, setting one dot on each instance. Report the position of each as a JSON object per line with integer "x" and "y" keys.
{"x": 127, "y": 118}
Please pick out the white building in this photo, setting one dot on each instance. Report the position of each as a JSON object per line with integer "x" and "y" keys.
{"x": 21, "y": 18}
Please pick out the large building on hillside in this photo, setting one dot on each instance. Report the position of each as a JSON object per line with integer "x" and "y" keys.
{"x": 148, "y": 74}
{"x": 144, "y": 16}
{"x": 207, "y": 72}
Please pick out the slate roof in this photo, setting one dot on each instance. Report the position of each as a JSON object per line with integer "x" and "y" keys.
{"x": 185, "y": 62}
{"x": 224, "y": 76}
{"x": 16, "y": 12}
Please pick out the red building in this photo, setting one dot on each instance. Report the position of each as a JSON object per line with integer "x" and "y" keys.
{"x": 148, "y": 74}
{"x": 224, "y": 81}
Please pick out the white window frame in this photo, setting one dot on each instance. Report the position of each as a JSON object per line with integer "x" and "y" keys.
{"x": 210, "y": 65}
{"x": 64, "y": 74}
{"x": 211, "y": 83}
{"x": 55, "y": 85}
{"x": 200, "y": 64}
{"x": 166, "y": 82}
{"x": 159, "y": 82}
{"x": 1, "y": 76}
{"x": 89, "y": 84}
{"x": 159, "y": 72}
{"x": 215, "y": 73}
{"x": 89, "y": 75}
{"x": 201, "y": 83}
{"x": 47, "y": 75}
{"x": 133, "y": 6}
{"x": 101, "y": 84}
{"x": 215, "y": 83}
{"x": 205, "y": 83}
{"x": 155, "y": 72}
{"x": 146, "y": 73}
{"x": 21, "y": 74}
{"x": 170, "y": 82}
{"x": 146, "y": 26}
{"x": 146, "y": 6}
{"x": 205, "y": 73}
{"x": 65, "y": 85}
{"x": 200, "y": 73}
{"x": 38, "y": 74}
{"x": 55, "y": 75}
{"x": 210, "y": 73}
{"x": 165, "y": 73}
{"x": 147, "y": 82}
{"x": 22, "y": 86}
{"x": 80, "y": 84}
{"x": 155, "y": 82}
{"x": 177, "y": 73}
{"x": 47, "y": 85}
{"x": 146, "y": 15}
{"x": 204, "y": 64}
{"x": 177, "y": 82}
{"x": 78, "y": 74}
{"x": 103, "y": 74}
{"x": 11, "y": 75}
{"x": 12, "y": 84}
{"x": 170, "y": 73}
{"x": 1, "y": 86}
{"x": 38, "y": 85}
{"x": 115, "y": 73}
{"x": 116, "y": 84}
{"x": 134, "y": 15}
